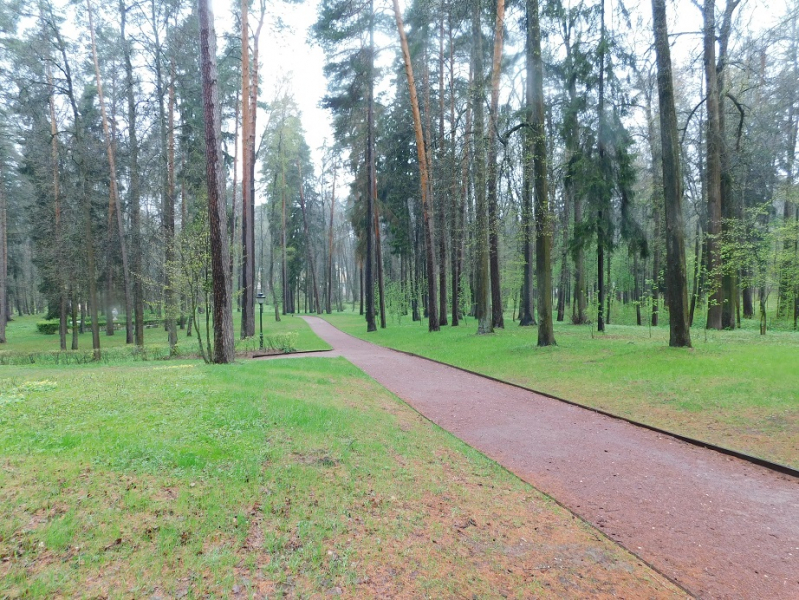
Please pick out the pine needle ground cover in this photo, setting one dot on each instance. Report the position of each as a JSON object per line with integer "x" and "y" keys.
{"x": 298, "y": 478}
{"x": 736, "y": 389}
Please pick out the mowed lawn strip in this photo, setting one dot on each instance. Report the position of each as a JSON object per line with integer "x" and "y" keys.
{"x": 294, "y": 478}
{"x": 736, "y": 389}
{"x": 23, "y": 336}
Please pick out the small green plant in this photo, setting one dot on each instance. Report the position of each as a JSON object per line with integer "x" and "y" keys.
{"x": 48, "y": 327}
{"x": 281, "y": 342}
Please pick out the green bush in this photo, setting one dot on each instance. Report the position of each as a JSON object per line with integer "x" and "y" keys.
{"x": 48, "y": 327}
{"x": 281, "y": 342}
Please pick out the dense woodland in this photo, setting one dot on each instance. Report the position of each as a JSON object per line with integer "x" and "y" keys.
{"x": 509, "y": 164}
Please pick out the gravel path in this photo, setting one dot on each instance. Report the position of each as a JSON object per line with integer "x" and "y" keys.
{"x": 720, "y": 527}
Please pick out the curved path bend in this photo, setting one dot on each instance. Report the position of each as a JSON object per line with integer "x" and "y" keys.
{"x": 718, "y": 526}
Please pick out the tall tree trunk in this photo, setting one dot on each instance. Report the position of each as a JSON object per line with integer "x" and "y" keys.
{"x": 275, "y": 300}
{"x": 360, "y": 288}
{"x": 565, "y": 276}
{"x": 85, "y": 201}
{"x": 600, "y": 218}
{"x": 609, "y": 295}
{"x": 234, "y": 201}
{"x": 247, "y": 258}
{"x": 543, "y": 225}
{"x": 713, "y": 172}
{"x": 729, "y": 205}
{"x": 224, "y": 348}
{"x": 316, "y": 305}
{"x": 250, "y": 200}
{"x": 329, "y": 295}
{"x": 3, "y": 254}
{"x": 458, "y": 196}
{"x": 433, "y": 322}
{"x": 657, "y": 205}
{"x": 134, "y": 190}
{"x": 167, "y": 201}
{"x": 497, "y": 317}
{"x": 369, "y": 286}
{"x": 74, "y": 314}
{"x": 580, "y": 310}
{"x": 172, "y": 299}
{"x": 676, "y": 279}
{"x": 441, "y": 200}
{"x": 637, "y": 290}
{"x": 789, "y": 288}
{"x": 526, "y": 311}
{"x": 284, "y": 273}
{"x": 60, "y": 279}
{"x": 109, "y": 142}
{"x": 571, "y": 194}
{"x": 380, "y": 275}
{"x": 481, "y": 261}
{"x": 697, "y": 288}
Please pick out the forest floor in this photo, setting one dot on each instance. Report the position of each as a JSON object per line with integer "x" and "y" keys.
{"x": 283, "y": 478}
{"x": 735, "y": 389}
{"x": 721, "y": 527}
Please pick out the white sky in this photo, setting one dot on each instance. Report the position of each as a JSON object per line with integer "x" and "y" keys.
{"x": 287, "y": 53}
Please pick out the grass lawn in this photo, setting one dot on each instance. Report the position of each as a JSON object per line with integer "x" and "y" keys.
{"x": 23, "y": 337}
{"x": 735, "y": 389}
{"x": 298, "y": 478}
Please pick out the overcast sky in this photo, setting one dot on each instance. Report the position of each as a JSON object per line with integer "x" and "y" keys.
{"x": 286, "y": 53}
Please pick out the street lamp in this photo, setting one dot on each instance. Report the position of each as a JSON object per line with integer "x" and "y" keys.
{"x": 260, "y": 300}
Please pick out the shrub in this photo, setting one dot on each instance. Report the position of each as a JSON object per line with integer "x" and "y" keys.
{"x": 282, "y": 342}
{"x": 48, "y": 327}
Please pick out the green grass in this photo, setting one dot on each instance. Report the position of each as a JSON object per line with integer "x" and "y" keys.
{"x": 296, "y": 478}
{"x": 736, "y": 389}
{"x": 23, "y": 339}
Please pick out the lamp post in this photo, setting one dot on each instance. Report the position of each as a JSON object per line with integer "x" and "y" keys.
{"x": 260, "y": 299}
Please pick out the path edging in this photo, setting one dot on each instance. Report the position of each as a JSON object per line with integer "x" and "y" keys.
{"x": 761, "y": 462}
{"x": 679, "y": 585}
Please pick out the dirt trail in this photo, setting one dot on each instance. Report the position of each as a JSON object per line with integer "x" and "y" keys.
{"x": 719, "y": 526}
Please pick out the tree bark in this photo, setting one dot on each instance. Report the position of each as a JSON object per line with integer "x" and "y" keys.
{"x": 526, "y": 312}
{"x": 247, "y": 258}
{"x": 433, "y": 323}
{"x": 109, "y": 143}
{"x": 600, "y": 222}
{"x": 172, "y": 300}
{"x": 543, "y": 226}
{"x": 676, "y": 278}
{"x": 481, "y": 260}
{"x": 380, "y": 275}
{"x": 441, "y": 200}
{"x": 134, "y": 191}
{"x": 224, "y": 348}
{"x": 369, "y": 286}
{"x": 713, "y": 171}
{"x": 3, "y": 254}
{"x": 283, "y": 250}
{"x": 657, "y": 205}
{"x": 730, "y": 207}
{"x": 329, "y": 295}
{"x": 85, "y": 202}
{"x": 316, "y": 305}
{"x": 458, "y": 196}
{"x": 497, "y": 317}
{"x": 60, "y": 279}
{"x": 234, "y": 201}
